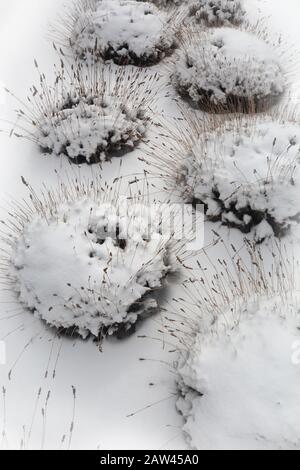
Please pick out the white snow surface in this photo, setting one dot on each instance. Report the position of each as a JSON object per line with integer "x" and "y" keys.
{"x": 114, "y": 384}
{"x": 131, "y": 32}
{"x": 86, "y": 266}
{"x": 248, "y": 375}
{"x": 218, "y": 12}
{"x": 227, "y": 62}
{"x": 91, "y": 129}
{"x": 253, "y": 166}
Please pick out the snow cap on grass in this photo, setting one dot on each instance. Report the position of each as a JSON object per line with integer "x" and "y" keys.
{"x": 90, "y": 114}
{"x": 125, "y": 31}
{"x": 225, "y": 69}
{"x": 248, "y": 175}
{"x": 218, "y": 12}
{"x": 239, "y": 378}
{"x": 87, "y": 261}
{"x": 167, "y": 3}
{"x": 245, "y": 171}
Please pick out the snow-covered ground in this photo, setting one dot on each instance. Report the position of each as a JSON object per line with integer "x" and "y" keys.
{"x": 65, "y": 393}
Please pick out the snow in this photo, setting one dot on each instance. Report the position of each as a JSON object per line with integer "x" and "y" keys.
{"x": 245, "y": 380}
{"x": 124, "y": 31}
{"x": 224, "y": 64}
{"x": 218, "y": 12}
{"x": 250, "y": 176}
{"x": 102, "y": 405}
{"x": 122, "y": 402}
{"x": 88, "y": 117}
{"x": 91, "y": 267}
{"x": 91, "y": 130}
{"x": 167, "y": 3}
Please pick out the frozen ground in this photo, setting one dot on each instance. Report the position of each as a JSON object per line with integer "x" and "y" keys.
{"x": 121, "y": 401}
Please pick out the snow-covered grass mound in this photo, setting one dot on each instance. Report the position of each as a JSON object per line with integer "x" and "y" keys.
{"x": 108, "y": 127}
{"x": 246, "y": 383}
{"x": 245, "y": 171}
{"x": 89, "y": 115}
{"x": 125, "y": 31}
{"x": 247, "y": 175}
{"x": 218, "y": 12}
{"x": 239, "y": 378}
{"x": 87, "y": 261}
{"x": 167, "y": 3}
{"x": 225, "y": 69}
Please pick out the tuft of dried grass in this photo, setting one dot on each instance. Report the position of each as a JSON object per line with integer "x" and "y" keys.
{"x": 48, "y": 204}
{"x": 193, "y": 39}
{"x": 90, "y": 113}
{"x": 220, "y": 289}
{"x": 79, "y": 19}
{"x": 189, "y": 137}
